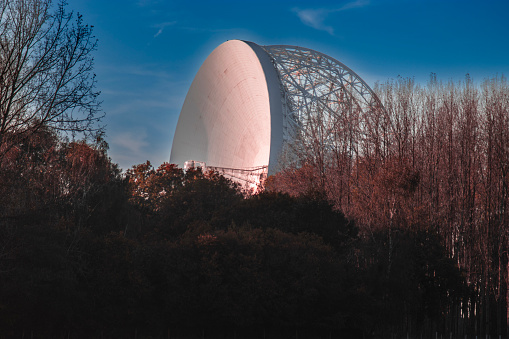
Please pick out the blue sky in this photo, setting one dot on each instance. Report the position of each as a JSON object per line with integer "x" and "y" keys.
{"x": 150, "y": 50}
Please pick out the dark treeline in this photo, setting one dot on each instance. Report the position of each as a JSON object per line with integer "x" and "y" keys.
{"x": 393, "y": 223}
{"x": 88, "y": 252}
{"x": 435, "y": 160}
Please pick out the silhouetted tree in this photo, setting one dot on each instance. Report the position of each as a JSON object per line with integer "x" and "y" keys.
{"x": 46, "y": 71}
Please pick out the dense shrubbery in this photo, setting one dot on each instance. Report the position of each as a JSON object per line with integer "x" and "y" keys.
{"x": 86, "y": 252}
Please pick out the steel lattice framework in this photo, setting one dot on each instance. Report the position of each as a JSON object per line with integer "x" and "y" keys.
{"x": 321, "y": 97}
{"x": 252, "y": 110}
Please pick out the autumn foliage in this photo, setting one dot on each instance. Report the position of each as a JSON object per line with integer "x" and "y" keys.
{"x": 88, "y": 251}
{"x": 434, "y": 159}
{"x": 399, "y": 233}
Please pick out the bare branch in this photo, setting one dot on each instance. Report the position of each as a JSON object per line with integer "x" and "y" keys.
{"x": 46, "y": 71}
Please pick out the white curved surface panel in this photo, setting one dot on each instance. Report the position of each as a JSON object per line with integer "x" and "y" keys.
{"x": 226, "y": 117}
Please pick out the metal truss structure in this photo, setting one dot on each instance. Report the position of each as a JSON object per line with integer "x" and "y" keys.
{"x": 252, "y": 110}
{"x": 251, "y": 178}
{"x": 321, "y": 97}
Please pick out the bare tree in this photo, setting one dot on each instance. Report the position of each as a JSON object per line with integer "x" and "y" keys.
{"x": 46, "y": 71}
{"x": 435, "y": 158}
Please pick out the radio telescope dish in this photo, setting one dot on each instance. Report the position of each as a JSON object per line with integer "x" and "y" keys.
{"x": 248, "y": 102}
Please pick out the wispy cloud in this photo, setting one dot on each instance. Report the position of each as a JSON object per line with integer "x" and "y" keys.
{"x": 131, "y": 142}
{"x": 143, "y": 70}
{"x": 315, "y": 18}
{"x": 162, "y": 26}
